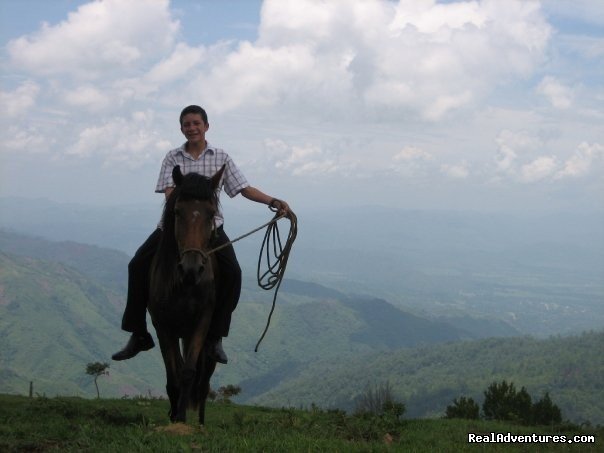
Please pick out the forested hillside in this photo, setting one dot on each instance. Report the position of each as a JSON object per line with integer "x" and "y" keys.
{"x": 61, "y": 309}
{"x": 428, "y": 378}
{"x": 103, "y": 265}
{"x": 53, "y": 321}
{"x": 76, "y": 320}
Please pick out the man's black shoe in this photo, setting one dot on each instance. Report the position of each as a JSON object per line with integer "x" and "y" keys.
{"x": 217, "y": 352}
{"x": 136, "y": 344}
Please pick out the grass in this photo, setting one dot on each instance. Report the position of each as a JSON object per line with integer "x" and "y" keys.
{"x": 141, "y": 425}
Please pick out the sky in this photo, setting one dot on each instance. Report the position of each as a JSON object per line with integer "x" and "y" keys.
{"x": 413, "y": 104}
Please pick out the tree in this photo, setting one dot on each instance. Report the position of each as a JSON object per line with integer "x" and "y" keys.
{"x": 545, "y": 412}
{"x": 378, "y": 399}
{"x": 227, "y": 392}
{"x": 463, "y": 408}
{"x": 523, "y": 407}
{"x": 97, "y": 369}
{"x": 503, "y": 402}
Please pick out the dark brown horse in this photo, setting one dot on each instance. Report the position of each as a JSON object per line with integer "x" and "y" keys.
{"x": 182, "y": 290}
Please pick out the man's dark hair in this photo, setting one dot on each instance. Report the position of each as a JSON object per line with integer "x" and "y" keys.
{"x": 194, "y": 109}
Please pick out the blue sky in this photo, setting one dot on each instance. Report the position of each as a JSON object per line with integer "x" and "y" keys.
{"x": 414, "y": 104}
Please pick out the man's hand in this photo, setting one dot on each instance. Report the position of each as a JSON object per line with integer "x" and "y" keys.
{"x": 281, "y": 206}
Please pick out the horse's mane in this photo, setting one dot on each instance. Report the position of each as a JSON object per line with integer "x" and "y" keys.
{"x": 193, "y": 187}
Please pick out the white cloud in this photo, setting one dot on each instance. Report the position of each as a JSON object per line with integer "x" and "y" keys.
{"x": 88, "y": 97}
{"x": 429, "y": 17}
{"x": 28, "y": 140}
{"x": 515, "y": 158}
{"x": 558, "y": 94}
{"x": 582, "y": 160}
{"x": 403, "y": 92}
{"x": 105, "y": 34}
{"x": 458, "y": 171}
{"x": 411, "y": 161}
{"x": 167, "y": 77}
{"x": 540, "y": 168}
{"x": 177, "y": 65}
{"x": 130, "y": 141}
{"x": 426, "y": 58}
{"x": 410, "y": 153}
{"x": 509, "y": 145}
{"x": 17, "y": 102}
{"x": 307, "y": 159}
{"x": 506, "y": 158}
{"x": 256, "y": 75}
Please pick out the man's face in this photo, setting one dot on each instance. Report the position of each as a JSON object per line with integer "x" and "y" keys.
{"x": 193, "y": 128}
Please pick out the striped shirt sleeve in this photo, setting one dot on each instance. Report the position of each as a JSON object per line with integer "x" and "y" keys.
{"x": 233, "y": 179}
{"x": 165, "y": 174}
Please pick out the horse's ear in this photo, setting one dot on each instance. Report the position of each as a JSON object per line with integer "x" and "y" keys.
{"x": 177, "y": 175}
{"x": 215, "y": 181}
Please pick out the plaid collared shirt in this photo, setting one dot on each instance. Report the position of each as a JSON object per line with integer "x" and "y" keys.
{"x": 209, "y": 162}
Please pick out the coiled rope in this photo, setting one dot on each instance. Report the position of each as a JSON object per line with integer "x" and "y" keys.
{"x": 275, "y": 254}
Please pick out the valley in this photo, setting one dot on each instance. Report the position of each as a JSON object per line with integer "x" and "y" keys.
{"x": 435, "y": 318}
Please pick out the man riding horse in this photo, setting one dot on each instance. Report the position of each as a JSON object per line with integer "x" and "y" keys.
{"x": 195, "y": 156}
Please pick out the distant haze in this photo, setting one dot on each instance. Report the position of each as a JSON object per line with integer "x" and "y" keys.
{"x": 541, "y": 273}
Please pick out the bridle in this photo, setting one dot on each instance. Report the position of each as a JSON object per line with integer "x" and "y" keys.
{"x": 205, "y": 256}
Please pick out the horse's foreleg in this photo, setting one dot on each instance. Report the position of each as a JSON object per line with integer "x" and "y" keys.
{"x": 193, "y": 350}
{"x": 173, "y": 362}
{"x": 207, "y": 365}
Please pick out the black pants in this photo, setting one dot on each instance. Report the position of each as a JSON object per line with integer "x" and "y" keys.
{"x": 227, "y": 291}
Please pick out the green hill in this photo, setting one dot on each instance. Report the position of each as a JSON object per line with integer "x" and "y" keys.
{"x": 105, "y": 266}
{"x": 72, "y": 296}
{"x": 54, "y": 320}
{"x": 428, "y": 378}
{"x": 323, "y": 346}
{"x": 325, "y": 325}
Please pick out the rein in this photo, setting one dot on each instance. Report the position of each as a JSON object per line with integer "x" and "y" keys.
{"x": 276, "y": 257}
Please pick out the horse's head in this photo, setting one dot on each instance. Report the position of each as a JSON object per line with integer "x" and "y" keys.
{"x": 195, "y": 205}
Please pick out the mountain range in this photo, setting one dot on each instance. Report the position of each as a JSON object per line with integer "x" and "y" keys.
{"x": 538, "y": 272}
{"x": 61, "y": 303}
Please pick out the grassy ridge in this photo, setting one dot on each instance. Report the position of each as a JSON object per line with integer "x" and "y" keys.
{"x": 75, "y": 424}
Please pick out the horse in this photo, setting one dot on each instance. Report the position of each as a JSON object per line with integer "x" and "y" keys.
{"x": 182, "y": 293}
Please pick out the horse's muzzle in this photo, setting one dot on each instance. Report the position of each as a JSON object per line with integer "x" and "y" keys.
{"x": 192, "y": 265}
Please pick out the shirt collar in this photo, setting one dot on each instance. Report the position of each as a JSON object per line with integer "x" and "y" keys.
{"x": 209, "y": 149}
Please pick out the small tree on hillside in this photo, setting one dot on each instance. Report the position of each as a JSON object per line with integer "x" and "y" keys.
{"x": 463, "y": 408}
{"x": 523, "y": 407}
{"x": 503, "y": 402}
{"x": 97, "y": 369}
{"x": 226, "y": 392}
{"x": 378, "y": 399}
{"x": 545, "y": 412}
